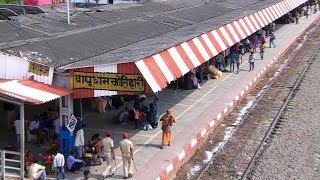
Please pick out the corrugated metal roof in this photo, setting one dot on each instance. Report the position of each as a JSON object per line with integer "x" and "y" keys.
{"x": 120, "y": 33}
{"x": 31, "y": 91}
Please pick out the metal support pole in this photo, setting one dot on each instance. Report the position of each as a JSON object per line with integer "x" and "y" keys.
{"x": 3, "y": 166}
{"x": 22, "y": 141}
{"x": 81, "y": 108}
{"x": 68, "y": 11}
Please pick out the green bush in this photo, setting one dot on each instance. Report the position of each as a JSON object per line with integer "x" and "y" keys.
{"x": 9, "y": 1}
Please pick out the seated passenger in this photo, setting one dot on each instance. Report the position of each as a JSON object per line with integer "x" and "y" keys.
{"x": 37, "y": 171}
{"x": 73, "y": 163}
{"x": 124, "y": 116}
{"x": 194, "y": 80}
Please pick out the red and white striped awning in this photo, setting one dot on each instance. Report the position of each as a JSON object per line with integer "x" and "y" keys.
{"x": 170, "y": 64}
{"x": 31, "y": 91}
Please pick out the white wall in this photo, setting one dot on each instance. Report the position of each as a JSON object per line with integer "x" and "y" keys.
{"x": 13, "y": 67}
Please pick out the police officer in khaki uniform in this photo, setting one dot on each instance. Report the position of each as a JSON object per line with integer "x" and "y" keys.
{"x": 108, "y": 150}
{"x": 127, "y": 156}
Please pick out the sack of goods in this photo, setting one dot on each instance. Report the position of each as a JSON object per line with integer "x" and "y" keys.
{"x": 215, "y": 73}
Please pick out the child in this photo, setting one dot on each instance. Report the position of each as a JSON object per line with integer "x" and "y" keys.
{"x": 251, "y": 61}
{"x": 262, "y": 50}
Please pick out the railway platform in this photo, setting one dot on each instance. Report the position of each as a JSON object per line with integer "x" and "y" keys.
{"x": 197, "y": 113}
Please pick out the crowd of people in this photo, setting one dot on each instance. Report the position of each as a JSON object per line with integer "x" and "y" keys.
{"x": 144, "y": 117}
{"x": 45, "y": 126}
{"x": 97, "y": 150}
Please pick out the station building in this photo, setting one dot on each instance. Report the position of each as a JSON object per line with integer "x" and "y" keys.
{"x": 115, "y": 50}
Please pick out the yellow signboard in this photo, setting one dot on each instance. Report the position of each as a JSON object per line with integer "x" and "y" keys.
{"x": 107, "y": 81}
{"x": 38, "y": 69}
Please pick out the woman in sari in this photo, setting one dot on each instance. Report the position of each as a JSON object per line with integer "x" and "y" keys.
{"x": 167, "y": 121}
{"x": 154, "y": 112}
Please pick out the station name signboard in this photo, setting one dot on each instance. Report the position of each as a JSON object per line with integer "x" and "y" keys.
{"x": 108, "y": 81}
{"x": 38, "y": 69}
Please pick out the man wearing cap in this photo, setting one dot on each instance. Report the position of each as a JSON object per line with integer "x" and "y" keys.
{"x": 108, "y": 150}
{"x": 167, "y": 121}
{"x": 127, "y": 155}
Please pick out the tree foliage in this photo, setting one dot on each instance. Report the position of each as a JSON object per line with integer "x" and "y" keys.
{"x": 9, "y": 1}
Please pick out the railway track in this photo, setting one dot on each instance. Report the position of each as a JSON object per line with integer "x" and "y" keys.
{"x": 288, "y": 87}
{"x": 277, "y": 122}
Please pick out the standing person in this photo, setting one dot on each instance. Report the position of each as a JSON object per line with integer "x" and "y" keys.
{"x": 306, "y": 12}
{"x": 251, "y": 61}
{"x": 255, "y": 43}
{"x": 35, "y": 130}
{"x": 262, "y": 50}
{"x": 155, "y": 112}
{"x": 273, "y": 26}
{"x": 126, "y": 148}
{"x": 17, "y": 128}
{"x": 263, "y": 34}
{"x": 238, "y": 61}
{"x": 86, "y": 174}
{"x": 272, "y": 38}
{"x": 79, "y": 141}
{"x": 233, "y": 57}
{"x": 73, "y": 163}
{"x": 59, "y": 162}
{"x": 56, "y": 125}
{"x": 37, "y": 171}
{"x": 167, "y": 121}
{"x": 297, "y": 15}
{"x": 108, "y": 151}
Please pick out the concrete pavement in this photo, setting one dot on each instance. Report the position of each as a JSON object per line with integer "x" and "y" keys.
{"x": 197, "y": 112}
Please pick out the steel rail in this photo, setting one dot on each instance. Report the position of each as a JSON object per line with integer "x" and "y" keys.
{"x": 287, "y": 62}
{"x": 279, "y": 113}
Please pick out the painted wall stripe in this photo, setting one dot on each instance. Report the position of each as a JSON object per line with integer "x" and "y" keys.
{"x": 219, "y": 40}
{"x": 193, "y": 58}
{"x": 211, "y": 124}
{"x": 148, "y": 76}
{"x": 178, "y": 60}
{"x": 164, "y": 68}
{"x": 201, "y": 49}
{"x": 232, "y": 31}
{"x": 169, "y": 168}
{"x": 203, "y": 132}
{"x": 219, "y": 116}
{"x": 272, "y": 18}
{"x": 238, "y": 28}
{"x": 262, "y": 17}
{"x": 254, "y": 22}
{"x": 251, "y": 27}
{"x": 181, "y": 155}
{"x": 225, "y": 110}
{"x": 193, "y": 142}
{"x": 265, "y": 13}
{"x": 244, "y": 26}
{"x": 226, "y": 36}
{"x": 231, "y": 104}
{"x": 260, "y": 22}
{"x": 209, "y": 44}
